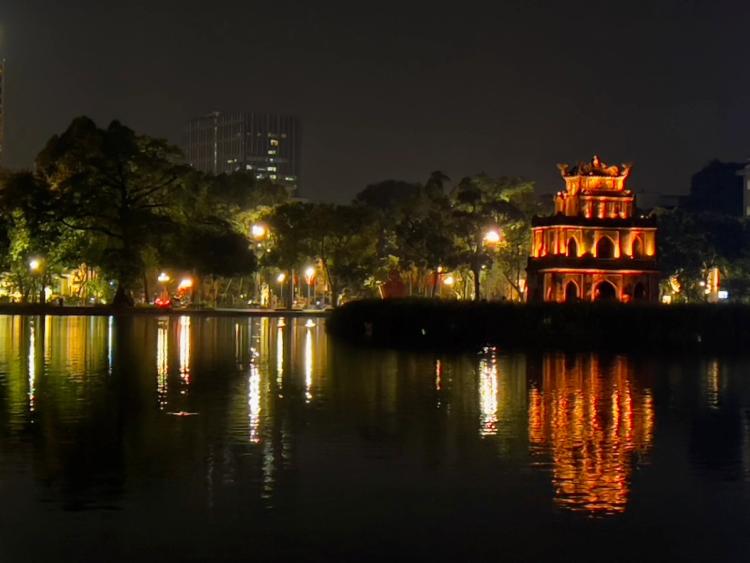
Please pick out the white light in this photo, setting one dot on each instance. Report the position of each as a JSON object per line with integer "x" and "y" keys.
{"x": 723, "y": 294}
{"x": 449, "y": 280}
{"x": 34, "y": 264}
{"x": 185, "y": 283}
{"x": 163, "y": 277}
{"x": 281, "y": 277}
{"x": 492, "y": 237}
{"x": 258, "y": 231}
{"x": 309, "y": 273}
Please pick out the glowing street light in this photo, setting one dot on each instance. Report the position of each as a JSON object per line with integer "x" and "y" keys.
{"x": 281, "y": 277}
{"x": 449, "y": 280}
{"x": 185, "y": 283}
{"x": 258, "y": 231}
{"x": 34, "y": 265}
{"x": 492, "y": 236}
{"x": 163, "y": 277}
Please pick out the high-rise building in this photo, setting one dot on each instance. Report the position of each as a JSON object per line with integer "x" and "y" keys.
{"x": 265, "y": 144}
{"x": 2, "y": 109}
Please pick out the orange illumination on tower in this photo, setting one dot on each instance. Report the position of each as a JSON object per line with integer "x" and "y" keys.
{"x": 593, "y": 248}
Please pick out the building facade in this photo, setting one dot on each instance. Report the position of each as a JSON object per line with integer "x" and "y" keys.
{"x": 593, "y": 248}
{"x": 265, "y": 144}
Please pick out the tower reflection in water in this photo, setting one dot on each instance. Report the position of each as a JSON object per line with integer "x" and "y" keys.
{"x": 594, "y": 421}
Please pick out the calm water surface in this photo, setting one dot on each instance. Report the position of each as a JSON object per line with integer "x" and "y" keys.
{"x": 232, "y": 439}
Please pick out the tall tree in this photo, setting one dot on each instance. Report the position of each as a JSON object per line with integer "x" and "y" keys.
{"x": 114, "y": 184}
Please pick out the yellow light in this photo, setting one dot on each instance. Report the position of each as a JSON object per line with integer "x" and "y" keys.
{"x": 185, "y": 283}
{"x": 492, "y": 236}
{"x": 309, "y": 273}
{"x": 34, "y": 264}
{"x": 449, "y": 280}
{"x": 281, "y": 277}
{"x": 258, "y": 231}
{"x": 440, "y": 269}
{"x": 163, "y": 277}
{"x": 310, "y": 323}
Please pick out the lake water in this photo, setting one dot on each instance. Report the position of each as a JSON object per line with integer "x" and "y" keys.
{"x": 206, "y": 439}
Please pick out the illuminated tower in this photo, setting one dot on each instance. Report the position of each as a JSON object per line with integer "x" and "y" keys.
{"x": 2, "y": 108}
{"x": 593, "y": 248}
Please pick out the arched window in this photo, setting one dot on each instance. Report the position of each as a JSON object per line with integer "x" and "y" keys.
{"x": 637, "y": 248}
{"x": 605, "y": 291}
{"x": 572, "y": 247}
{"x": 605, "y": 248}
{"x": 571, "y": 292}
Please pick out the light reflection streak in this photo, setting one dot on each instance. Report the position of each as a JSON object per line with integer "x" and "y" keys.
{"x": 32, "y": 365}
{"x": 308, "y": 366}
{"x": 110, "y": 321}
{"x": 253, "y": 402}
{"x": 162, "y": 362}
{"x": 280, "y": 356}
{"x": 591, "y": 421}
{"x": 184, "y": 344}
{"x": 712, "y": 385}
{"x": 488, "y": 395}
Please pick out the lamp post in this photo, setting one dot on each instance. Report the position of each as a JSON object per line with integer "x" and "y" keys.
{"x": 309, "y": 275}
{"x": 281, "y": 278}
{"x": 163, "y": 300}
{"x": 36, "y": 268}
{"x": 259, "y": 232}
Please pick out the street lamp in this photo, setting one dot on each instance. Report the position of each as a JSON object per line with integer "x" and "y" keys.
{"x": 163, "y": 277}
{"x": 492, "y": 236}
{"x": 35, "y": 268}
{"x": 258, "y": 231}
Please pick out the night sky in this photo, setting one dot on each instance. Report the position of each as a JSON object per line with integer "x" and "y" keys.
{"x": 397, "y": 89}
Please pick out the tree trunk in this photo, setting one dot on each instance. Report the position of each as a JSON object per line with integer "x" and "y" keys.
{"x": 146, "y": 293}
{"x": 476, "y": 272}
{"x": 435, "y": 276}
{"x": 122, "y": 296}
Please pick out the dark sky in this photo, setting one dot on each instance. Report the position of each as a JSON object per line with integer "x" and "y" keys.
{"x": 398, "y": 89}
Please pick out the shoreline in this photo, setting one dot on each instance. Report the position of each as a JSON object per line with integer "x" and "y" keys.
{"x": 107, "y": 311}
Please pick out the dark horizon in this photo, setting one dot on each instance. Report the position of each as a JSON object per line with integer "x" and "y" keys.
{"x": 399, "y": 91}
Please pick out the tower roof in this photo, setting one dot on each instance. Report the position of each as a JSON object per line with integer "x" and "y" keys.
{"x": 596, "y": 167}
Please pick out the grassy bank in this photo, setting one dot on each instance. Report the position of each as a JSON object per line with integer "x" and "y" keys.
{"x": 432, "y": 324}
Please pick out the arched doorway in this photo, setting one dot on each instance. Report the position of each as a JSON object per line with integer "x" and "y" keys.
{"x": 637, "y": 248}
{"x": 639, "y": 292}
{"x": 605, "y": 248}
{"x": 571, "y": 292}
{"x": 572, "y": 247}
{"x": 605, "y": 291}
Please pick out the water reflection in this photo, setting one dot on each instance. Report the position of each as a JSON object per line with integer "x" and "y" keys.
{"x": 308, "y": 365}
{"x": 291, "y": 431}
{"x": 184, "y": 340}
{"x": 488, "y": 395}
{"x": 162, "y": 362}
{"x": 253, "y": 403}
{"x": 592, "y": 418}
{"x": 32, "y": 364}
